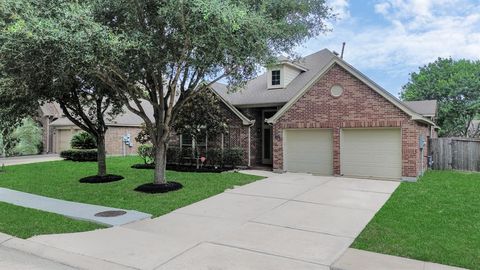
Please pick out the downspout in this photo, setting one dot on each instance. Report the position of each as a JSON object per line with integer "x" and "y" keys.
{"x": 47, "y": 141}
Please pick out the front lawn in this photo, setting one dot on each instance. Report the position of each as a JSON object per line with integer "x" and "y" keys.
{"x": 25, "y": 222}
{"x": 59, "y": 179}
{"x": 436, "y": 219}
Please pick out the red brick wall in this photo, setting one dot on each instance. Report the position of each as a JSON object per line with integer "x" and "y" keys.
{"x": 358, "y": 107}
{"x": 113, "y": 140}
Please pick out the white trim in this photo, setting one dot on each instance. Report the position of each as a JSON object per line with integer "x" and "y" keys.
{"x": 336, "y": 60}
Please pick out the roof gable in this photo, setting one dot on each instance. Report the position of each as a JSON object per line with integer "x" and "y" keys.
{"x": 357, "y": 74}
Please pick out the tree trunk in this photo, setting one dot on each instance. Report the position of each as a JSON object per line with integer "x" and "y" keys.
{"x": 101, "y": 156}
{"x": 160, "y": 163}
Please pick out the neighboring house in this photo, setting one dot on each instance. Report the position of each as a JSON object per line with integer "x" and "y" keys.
{"x": 317, "y": 115}
{"x": 59, "y": 130}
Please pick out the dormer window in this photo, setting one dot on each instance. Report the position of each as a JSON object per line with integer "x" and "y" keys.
{"x": 275, "y": 77}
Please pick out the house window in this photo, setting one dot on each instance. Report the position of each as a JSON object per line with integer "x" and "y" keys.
{"x": 189, "y": 144}
{"x": 275, "y": 77}
{"x": 186, "y": 141}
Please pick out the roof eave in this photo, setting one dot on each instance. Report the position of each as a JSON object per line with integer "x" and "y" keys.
{"x": 245, "y": 120}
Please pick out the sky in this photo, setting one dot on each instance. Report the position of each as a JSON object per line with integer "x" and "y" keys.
{"x": 389, "y": 39}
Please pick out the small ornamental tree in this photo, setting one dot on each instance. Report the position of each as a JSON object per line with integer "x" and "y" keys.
{"x": 200, "y": 117}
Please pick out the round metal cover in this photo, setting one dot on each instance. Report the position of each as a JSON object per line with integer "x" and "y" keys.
{"x": 114, "y": 213}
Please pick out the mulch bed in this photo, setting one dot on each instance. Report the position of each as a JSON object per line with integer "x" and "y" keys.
{"x": 152, "y": 188}
{"x": 101, "y": 179}
{"x": 184, "y": 168}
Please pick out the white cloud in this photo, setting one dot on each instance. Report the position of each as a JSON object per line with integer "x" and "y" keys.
{"x": 340, "y": 7}
{"x": 382, "y": 8}
{"x": 416, "y": 33}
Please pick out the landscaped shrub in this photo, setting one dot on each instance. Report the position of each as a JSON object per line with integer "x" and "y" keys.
{"x": 186, "y": 155}
{"x": 214, "y": 157}
{"x": 83, "y": 140}
{"x": 28, "y": 136}
{"x": 173, "y": 155}
{"x": 80, "y": 154}
{"x": 146, "y": 152}
{"x": 233, "y": 156}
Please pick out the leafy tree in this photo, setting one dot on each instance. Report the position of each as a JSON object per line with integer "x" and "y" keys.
{"x": 200, "y": 117}
{"x": 49, "y": 51}
{"x": 455, "y": 84}
{"x": 29, "y": 136}
{"x": 12, "y": 111}
{"x": 172, "y": 47}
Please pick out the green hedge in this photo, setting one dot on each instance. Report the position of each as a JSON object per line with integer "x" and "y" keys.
{"x": 79, "y": 154}
{"x": 215, "y": 156}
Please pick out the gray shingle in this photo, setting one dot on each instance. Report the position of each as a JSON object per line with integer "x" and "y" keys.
{"x": 423, "y": 107}
{"x": 257, "y": 93}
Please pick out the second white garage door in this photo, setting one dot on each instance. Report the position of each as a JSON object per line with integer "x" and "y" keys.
{"x": 309, "y": 150}
{"x": 375, "y": 153}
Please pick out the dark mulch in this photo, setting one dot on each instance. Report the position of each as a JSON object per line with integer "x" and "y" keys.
{"x": 101, "y": 179}
{"x": 185, "y": 168}
{"x": 159, "y": 188}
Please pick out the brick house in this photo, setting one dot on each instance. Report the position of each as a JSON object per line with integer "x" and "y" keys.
{"x": 58, "y": 131}
{"x": 320, "y": 115}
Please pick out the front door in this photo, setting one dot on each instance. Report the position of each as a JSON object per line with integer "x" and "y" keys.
{"x": 267, "y": 138}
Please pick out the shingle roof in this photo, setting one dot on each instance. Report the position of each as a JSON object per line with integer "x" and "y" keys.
{"x": 126, "y": 119}
{"x": 257, "y": 93}
{"x": 423, "y": 107}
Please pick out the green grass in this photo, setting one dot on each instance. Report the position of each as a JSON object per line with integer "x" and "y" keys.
{"x": 25, "y": 222}
{"x": 436, "y": 219}
{"x": 59, "y": 179}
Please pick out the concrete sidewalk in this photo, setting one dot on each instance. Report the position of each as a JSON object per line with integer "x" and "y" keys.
{"x": 75, "y": 210}
{"x": 29, "y": 159}
{"x": 287, "y": 221}
{"x": 354, "y": 259}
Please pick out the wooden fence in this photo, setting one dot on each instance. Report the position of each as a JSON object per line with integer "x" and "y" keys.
{"x": 455, "y": 154}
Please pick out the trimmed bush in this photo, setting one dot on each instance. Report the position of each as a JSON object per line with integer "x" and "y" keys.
{"x": 83, "y": 140}
{"x": 79, "y": 154}
{"x": 214, "y": 157}
{"x": 233, "y": 156}
{"x": 146, "y": 152}
{"x": 173, "y": 155}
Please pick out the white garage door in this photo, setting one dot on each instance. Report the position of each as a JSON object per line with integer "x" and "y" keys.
{"x": 308, "y": 150}
{"x": 375, "y": 153}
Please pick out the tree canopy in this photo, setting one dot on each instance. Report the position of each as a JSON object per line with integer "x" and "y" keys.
{"x": 174, "y": 48}
{"x": 455, "y": 84}
{"x": 49, "y": 51}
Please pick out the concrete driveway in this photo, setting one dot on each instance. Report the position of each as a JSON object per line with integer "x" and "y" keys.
{"x": 29, "y": 159}
{"x": 287, "y": 221}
